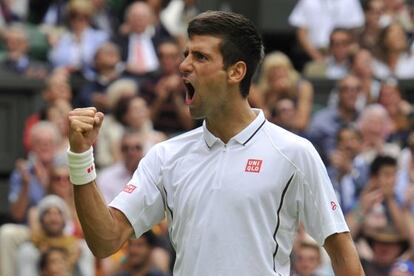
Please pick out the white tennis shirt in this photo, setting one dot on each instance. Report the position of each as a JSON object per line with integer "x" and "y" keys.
{"x": 233, "y": 208}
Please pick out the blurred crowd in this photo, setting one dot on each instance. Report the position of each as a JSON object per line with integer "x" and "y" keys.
{"x": 122, "y": 57}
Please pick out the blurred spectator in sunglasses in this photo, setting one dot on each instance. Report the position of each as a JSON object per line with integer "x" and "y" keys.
{"x": 112, "y": 179}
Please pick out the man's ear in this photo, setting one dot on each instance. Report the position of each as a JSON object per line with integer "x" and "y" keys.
{"x": 236, "y": 72}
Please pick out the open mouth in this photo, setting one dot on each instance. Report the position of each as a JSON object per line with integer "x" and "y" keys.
{"x": 189, "y": 96}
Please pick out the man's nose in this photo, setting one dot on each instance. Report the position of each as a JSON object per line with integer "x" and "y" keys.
{"x": 185, "y": 66}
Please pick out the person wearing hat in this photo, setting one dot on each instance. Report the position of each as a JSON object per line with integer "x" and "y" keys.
{"x": 53, "y": 213}
{"x": 386, "y": 245}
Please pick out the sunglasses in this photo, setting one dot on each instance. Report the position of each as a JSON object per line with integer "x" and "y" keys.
{"x": 349, "y": 88}
{"x": 127, "y": 148}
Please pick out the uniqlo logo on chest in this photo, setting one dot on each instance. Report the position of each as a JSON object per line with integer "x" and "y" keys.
{"x": 129, "y": 188}
{"x": 253, "y": 165}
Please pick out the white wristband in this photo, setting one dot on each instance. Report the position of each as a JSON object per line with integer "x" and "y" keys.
{"x": 81, "y": 167}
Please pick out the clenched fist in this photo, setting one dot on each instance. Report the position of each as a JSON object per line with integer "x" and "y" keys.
{"x": 84, "y": 125}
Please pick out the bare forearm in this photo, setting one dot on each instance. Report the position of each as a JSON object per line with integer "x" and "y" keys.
{"x": 344, "y": 257}
{"x": 19, "y": 207}
{"x": 302, "y": 35}
{"x": 99, "y": 226}
{"x": 397, "y": 216}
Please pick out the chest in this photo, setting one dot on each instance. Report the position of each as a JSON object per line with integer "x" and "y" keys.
{"x": 227, "y": 178}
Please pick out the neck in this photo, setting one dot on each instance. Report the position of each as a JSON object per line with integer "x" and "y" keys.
{"x": 346, "y": 114}
{"x": 230, "y": 120}
{"x": 392, "y": 59}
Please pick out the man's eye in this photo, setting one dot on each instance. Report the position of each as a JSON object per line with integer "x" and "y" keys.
{"x": 200, "y": 56}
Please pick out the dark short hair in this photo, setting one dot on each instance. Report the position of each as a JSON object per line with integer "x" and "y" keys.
{"x": 240, "y": 40}
{"x": 44, "y": 258}
{"x": 380, "y": 162}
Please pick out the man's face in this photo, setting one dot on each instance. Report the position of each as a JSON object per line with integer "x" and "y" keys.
{"x": 340, "y": 45}
{"x": 386, "y": 253}
{"x": 139, "y": 17}
{"x": 44, "y": 145}
{"x": 386, "y": 177}
{"x": 139, "y": 252}
{"x": 169, "y": 57}
{"x": 132, "y": 151}
{"x": 204, "y": 75}
{"x": 307, "y": 261}
{"x": 56, "y": 264}
{"x": 53, "y": 222}
{"x": 349, "y": 89}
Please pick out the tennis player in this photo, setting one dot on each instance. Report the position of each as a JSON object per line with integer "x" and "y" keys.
{"x": 234, "y": 189}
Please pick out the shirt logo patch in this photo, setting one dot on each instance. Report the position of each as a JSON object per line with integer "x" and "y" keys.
{"x": 129, "y": 188}
{"x": 333, "y": 205}
{"x": 90, "y": 169}
{"x": 253, "y": 165}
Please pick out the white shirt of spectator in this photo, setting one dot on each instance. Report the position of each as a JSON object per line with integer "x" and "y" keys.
{"x": 320, "y": 17}
{"x": 403, "y": 70}
{"x": 111, "y": 180}
{"x": 151, "y": 59}
{"x": 233, "y": 208}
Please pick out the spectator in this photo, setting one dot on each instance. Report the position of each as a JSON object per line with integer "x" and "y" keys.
{"x": 53, "y": 262}
{"x": 362, "y": 68}
{"x": 138, "y": 258}
{"x": 387, "y": 245}
{"x": 76, "y": 48}
{"x": 111, "y": 129}
{"x": 57, "y": 88}
{"x": 30, "y": 180}
{"x": 393, "y": 58}
{"x": 336, "y": 64}
{"x": 279, "y": 79}
{"x": 139, "y": 41}
{"x": 368, "y": 35}
{"x": 13, "y": 235}
{"x": 375, "y": 126}
{"x": 129, "y": 113}
{"x": 16, "y": 57}
{"x": 377, "y": 206}
{"x": 165, "y": 92}
{"x": 315, "y": 20}
{"x": 398, "y": 109}
{"x": 283, "y": 114}
{"x": 326, "y": 122}
{"x": 306, "y": 259}
{"x": 107, "y": 69}
{"x": 132, "y": 149}
{"x": 341, "y": 170}
{"x": 53, "y": 214}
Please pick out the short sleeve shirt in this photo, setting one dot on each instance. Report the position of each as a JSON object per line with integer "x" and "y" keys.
{"x": 320, "y": 17}
{"x": 233, "y": 209}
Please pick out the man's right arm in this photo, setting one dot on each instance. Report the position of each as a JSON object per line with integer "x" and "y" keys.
{"x": 105, "y": 228}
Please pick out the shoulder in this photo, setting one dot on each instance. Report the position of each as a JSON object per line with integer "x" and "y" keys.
{"x": 286, "y": 142}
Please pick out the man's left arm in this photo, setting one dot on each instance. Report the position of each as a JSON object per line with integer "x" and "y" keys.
{"x": 343, "y": 254}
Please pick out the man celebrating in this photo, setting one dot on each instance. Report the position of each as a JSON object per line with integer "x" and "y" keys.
{"x": 234, "y": 189}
